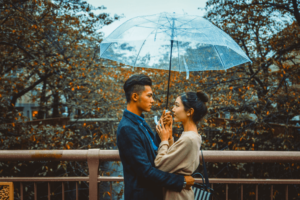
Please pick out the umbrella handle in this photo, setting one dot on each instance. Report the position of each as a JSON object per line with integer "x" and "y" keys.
{"x": 155, "y": 120}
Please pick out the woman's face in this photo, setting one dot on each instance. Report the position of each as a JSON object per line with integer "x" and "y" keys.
{"x": 178, "y": 111}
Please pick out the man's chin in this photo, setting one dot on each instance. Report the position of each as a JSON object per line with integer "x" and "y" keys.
{"x": 147, "y": 110}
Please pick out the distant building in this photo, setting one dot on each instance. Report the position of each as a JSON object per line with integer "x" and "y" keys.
{"x": 27, "y": 107}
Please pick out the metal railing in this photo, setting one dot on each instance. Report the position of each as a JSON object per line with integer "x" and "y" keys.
{"x": 93, "y": 156}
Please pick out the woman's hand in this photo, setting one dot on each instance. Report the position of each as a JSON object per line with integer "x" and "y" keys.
{"x": 168, "y": 122}
{"x": 163, "y": 132}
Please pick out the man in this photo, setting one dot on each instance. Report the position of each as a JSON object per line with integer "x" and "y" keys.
{"x": 137, "y": 145}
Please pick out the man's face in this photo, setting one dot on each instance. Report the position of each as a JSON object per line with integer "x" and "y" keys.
{"x": 145, "y": 100}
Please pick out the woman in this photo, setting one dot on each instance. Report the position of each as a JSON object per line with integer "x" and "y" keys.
{"x": 181, "y": 157}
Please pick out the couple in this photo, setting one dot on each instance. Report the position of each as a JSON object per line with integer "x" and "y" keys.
{"x": 155, "y": 167}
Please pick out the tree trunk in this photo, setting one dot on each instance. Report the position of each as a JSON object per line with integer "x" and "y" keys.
{"x": 55, "y": 106}
{"x": 42, "y": 108}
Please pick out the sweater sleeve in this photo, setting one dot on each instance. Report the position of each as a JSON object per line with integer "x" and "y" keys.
{"x": 171, "y": 141}
{"x": 177, "y": 157}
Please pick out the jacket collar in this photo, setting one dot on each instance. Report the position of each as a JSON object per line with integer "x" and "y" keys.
{"x": 133, "y": 117}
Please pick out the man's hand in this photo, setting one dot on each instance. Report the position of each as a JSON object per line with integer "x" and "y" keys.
{"x": 189, "y": 182}
{"x": 167, "y": 120}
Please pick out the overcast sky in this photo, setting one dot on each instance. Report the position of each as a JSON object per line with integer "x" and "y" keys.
{"x": 133, "y": 8}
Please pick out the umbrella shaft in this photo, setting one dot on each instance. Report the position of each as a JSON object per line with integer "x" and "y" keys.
{"x": 170, "y": 64}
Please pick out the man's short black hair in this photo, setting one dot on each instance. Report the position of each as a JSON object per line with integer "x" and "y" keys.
{"x": 136, "y": 84}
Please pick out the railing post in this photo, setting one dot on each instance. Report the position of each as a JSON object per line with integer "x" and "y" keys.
{"x": 21, "y": 191}
{"x": 49, "y": 191}
{"x": 271, "y": 192}
{"x": 93, "y": 164}
{"x": 256, "y": 192}
{"x": 287, "y": 192}
{"x": 242, "y": 192}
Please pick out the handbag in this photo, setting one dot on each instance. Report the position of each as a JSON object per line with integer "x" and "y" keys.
{"x": 202, "y": 191}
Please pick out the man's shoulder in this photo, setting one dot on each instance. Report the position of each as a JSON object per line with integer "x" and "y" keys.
{"x": 126, "y": 125}
{"x": 125, "y": 122}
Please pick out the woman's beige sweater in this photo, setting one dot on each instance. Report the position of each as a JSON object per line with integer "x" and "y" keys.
{"x": 182, "y": 157}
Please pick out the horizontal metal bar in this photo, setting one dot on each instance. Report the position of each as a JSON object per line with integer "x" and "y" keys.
{"x": 32, "y": 155}
{"x": 95, "y": 120}
{"x": 251, "y": 181}
{"x": 116, "y": 178}
{"x": 251, "y": 156}
{"x": 113, "y": 155}
{"x": 43, "y": 179}
{"x": 223, "y": 180}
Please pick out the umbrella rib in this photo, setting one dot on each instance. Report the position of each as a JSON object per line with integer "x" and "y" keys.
{"x": 105, "y": 49}
{"x": 168, "y": 19}
{"x": 139, "y": 53}
{"x": 142, "y": 47}
{"x": 160, "y": 25}
{"x": 156, "y": 29}
{"x": 178, "y": 54}
{"x": 154, "y": 22}
{"x": 186, "y": 22}
{"x": 219, "y": 57}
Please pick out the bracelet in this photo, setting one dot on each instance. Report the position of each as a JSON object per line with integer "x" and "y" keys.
{"x": 184, "y": 184}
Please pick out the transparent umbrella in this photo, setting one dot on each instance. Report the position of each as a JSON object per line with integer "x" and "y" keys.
{"x": 172, "y": 42}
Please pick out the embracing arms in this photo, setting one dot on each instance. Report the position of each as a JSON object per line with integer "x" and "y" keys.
{"x": 132, "y": 150}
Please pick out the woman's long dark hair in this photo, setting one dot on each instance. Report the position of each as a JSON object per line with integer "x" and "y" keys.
{"x": 195, "y": 100}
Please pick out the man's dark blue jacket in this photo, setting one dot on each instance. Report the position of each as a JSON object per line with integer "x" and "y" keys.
{"x": 142, "y": 180}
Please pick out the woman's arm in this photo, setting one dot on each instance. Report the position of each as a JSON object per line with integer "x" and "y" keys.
{"x": 178, "y": 156}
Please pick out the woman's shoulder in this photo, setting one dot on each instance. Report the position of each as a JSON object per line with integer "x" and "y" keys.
{"x": 191, "y": 137}
{"x": 190, "y": 134}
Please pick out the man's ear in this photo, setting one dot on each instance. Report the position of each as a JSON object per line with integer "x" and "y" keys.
{"x": 135, "y": 97}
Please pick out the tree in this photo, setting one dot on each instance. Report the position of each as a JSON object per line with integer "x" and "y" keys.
{"x": 261, "y": 93}
{"x": 48, "y": 49}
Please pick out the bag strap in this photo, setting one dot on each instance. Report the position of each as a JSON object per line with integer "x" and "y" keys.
{"x": 205, "y": 171}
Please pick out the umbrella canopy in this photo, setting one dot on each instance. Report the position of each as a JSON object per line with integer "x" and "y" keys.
{"x": 172, "y": 42}
{"x": 190, "y": 43}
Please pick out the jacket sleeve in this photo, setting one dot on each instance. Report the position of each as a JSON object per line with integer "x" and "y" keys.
{"x": 132, "y": 150}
